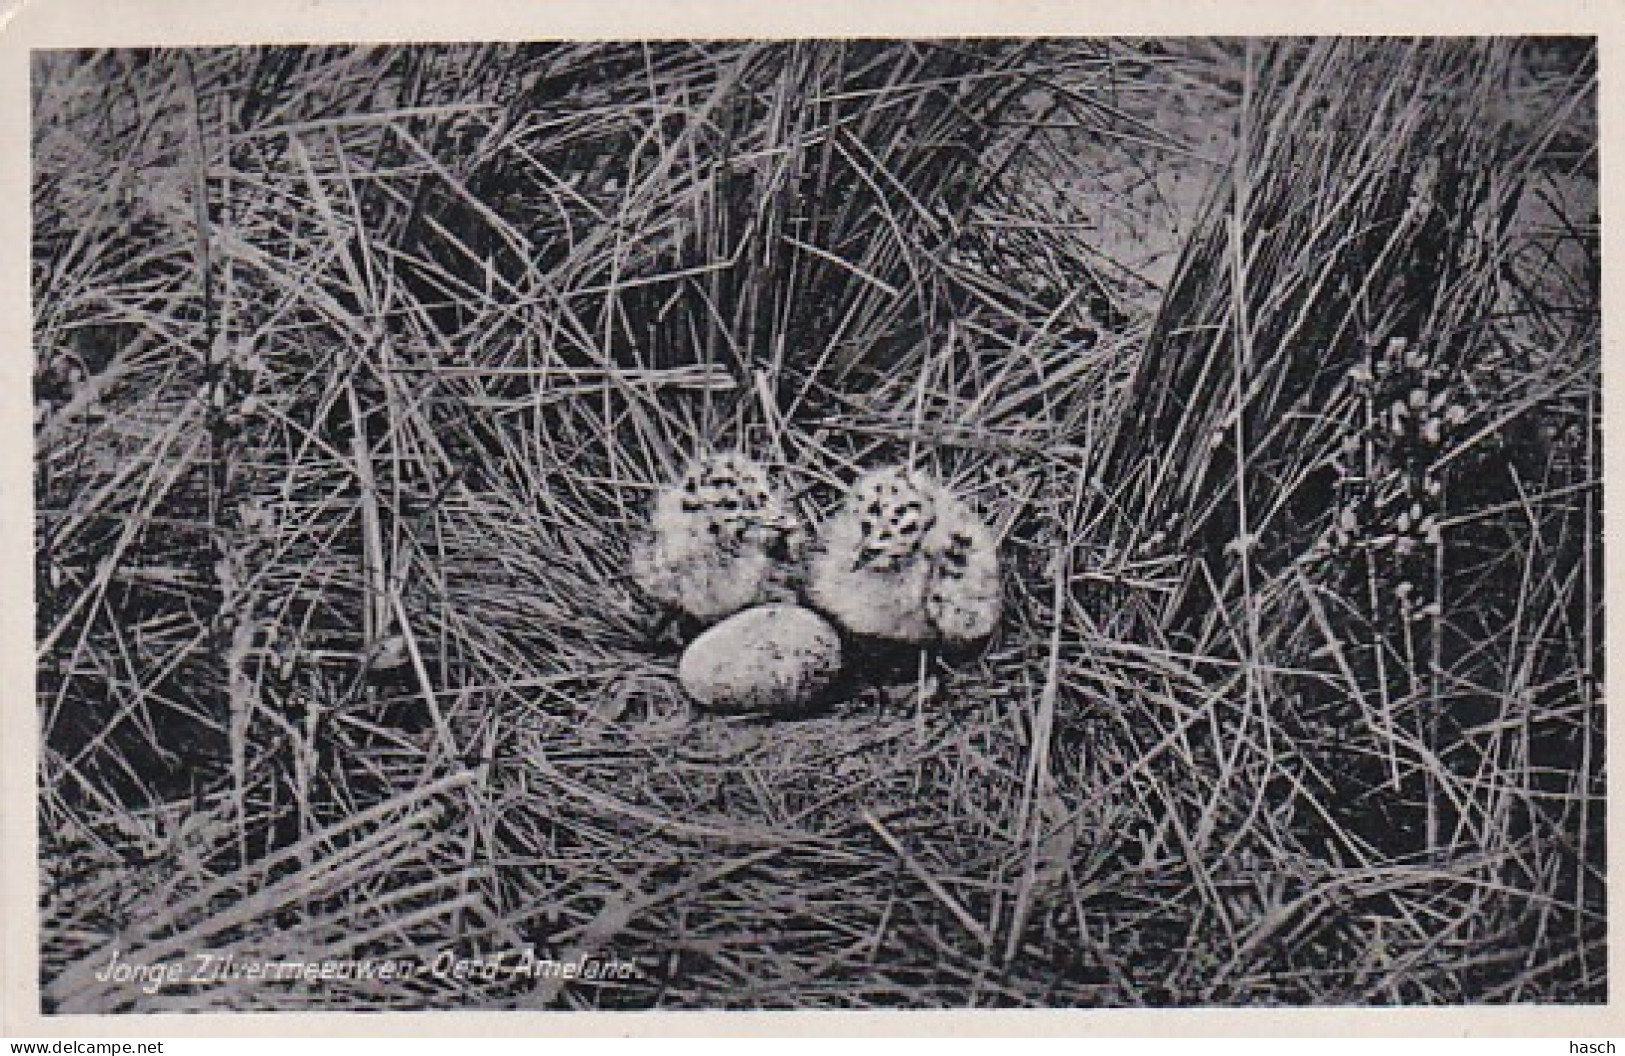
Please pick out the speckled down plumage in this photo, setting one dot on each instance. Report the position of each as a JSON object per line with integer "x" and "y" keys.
{"x": 772, "y": 659}
{"x": 708, "y": 549}
{"x": 905, "y": 559}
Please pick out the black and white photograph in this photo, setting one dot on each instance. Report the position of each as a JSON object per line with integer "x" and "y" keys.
{"x": 738, "y": 523}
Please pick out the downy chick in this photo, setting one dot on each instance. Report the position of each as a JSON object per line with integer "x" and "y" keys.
{"x": 906, "y": 560}
{"x": 715, "y": 537}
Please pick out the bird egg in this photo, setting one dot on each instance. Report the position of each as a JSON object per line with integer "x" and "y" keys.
{"x": 773, "y": 659}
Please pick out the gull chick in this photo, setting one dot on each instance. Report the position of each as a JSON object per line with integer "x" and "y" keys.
{"x": 715, "y": 539}
{"x": 906, "y": 560}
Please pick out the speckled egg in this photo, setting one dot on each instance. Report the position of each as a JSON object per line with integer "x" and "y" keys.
{"x": 773, "y": 659}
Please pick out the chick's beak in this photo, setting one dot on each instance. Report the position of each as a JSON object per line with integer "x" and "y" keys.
{"x": 774, "y": 536}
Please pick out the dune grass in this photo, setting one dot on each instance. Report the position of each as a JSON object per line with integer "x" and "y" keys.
{"x": 355, "y": 367}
